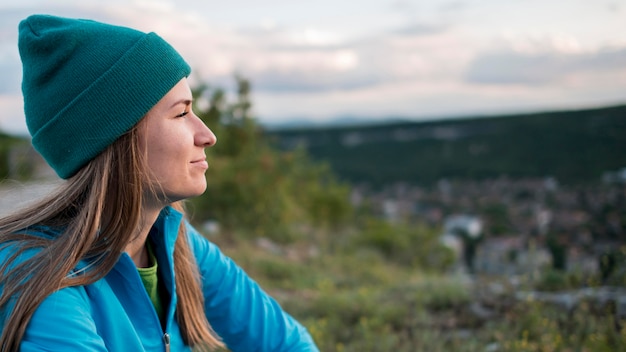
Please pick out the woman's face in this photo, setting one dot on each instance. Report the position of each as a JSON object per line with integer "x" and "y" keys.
{"x": 174, "y": 139}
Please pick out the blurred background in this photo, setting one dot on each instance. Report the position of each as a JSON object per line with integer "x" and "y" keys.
{"x": 401, "y": 175}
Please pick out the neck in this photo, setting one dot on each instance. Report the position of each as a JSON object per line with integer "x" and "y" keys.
{"x": 136, "y": 248}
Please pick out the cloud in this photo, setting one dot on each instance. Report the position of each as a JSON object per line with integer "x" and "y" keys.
{"x": 419, "y": 29}
{"x": 613, "y": 7}
{"x": 280, "y": 59}
{"x": 401, "y": 5}
{"x": 453, "y": 6}
{"x": 12, "y": 118}
{"x": 313, "y": 81}
{"x": 11, "y": 69}
{"x": 11, "y": 77}
{"x": 397, "y": 57}
{"x": 511, "y": 67}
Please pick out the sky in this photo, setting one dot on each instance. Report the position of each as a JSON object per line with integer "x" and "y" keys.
{"x": 369, "y": 59}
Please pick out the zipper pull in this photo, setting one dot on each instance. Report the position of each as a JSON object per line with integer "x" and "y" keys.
{"x": 166, "y": 340}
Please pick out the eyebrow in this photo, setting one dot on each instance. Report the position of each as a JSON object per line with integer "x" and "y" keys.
{"x": 182, "y": 101}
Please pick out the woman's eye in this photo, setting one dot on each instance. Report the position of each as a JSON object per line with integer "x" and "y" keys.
{"x": 182, "y": 114}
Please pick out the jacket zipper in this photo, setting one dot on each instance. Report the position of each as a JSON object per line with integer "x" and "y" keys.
{"x": 166, "y": 339}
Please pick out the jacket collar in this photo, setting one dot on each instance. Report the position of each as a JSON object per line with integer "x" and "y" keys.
{"x": 165, "y": 231}
{"x": 163, "y": 235}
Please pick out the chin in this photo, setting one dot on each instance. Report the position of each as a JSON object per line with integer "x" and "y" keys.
{"x": 190, "y": 194}
{"x": 185, "y": 190}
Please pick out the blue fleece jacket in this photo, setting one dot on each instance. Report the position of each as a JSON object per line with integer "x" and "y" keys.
{"x": 116, "y": 314}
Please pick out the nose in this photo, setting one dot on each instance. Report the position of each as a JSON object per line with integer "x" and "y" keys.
{"x": 203, "y": 137}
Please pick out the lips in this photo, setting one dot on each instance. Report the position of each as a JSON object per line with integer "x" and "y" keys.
{"x": 201, "y": 162}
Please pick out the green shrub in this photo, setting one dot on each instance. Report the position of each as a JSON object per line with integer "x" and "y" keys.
{"x": 553, "y": 280}
{"x": 415, "y": 246}
{"x": 256, "y": 189}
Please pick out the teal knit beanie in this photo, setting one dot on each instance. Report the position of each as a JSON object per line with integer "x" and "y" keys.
{"x": 87, "y": 83}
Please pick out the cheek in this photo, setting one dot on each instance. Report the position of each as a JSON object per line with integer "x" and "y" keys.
{"x": 166, "y": 151}
{"x": 163, "y": 159}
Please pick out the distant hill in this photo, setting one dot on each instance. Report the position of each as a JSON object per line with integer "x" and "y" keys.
{"x": 573, "y": 146}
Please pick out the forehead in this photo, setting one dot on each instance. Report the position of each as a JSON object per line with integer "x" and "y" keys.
{"x": 180, "y": 91}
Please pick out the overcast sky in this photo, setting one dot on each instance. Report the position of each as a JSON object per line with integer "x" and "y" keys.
{"x": 322, "y": 59}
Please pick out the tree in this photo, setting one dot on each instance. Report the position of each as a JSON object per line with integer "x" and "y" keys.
{"x": 254, "y": 188}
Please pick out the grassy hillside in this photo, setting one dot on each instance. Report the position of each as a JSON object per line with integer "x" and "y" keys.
{"x": 573, "y": 146}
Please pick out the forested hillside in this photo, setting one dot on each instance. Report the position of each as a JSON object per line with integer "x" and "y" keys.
{"x": 573, "y": 146}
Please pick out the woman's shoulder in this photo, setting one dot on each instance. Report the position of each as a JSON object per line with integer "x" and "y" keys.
{"x": 197, "y": 241}
{"x": 208, "y": 255}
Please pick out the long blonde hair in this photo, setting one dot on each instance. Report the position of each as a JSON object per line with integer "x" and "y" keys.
{"x": 96, "y": 212}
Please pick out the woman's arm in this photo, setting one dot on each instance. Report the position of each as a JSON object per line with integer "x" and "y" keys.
{"x": 242, "y": 314}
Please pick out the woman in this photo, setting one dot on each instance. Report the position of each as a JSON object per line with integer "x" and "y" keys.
{"x": 108, "y": 262}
